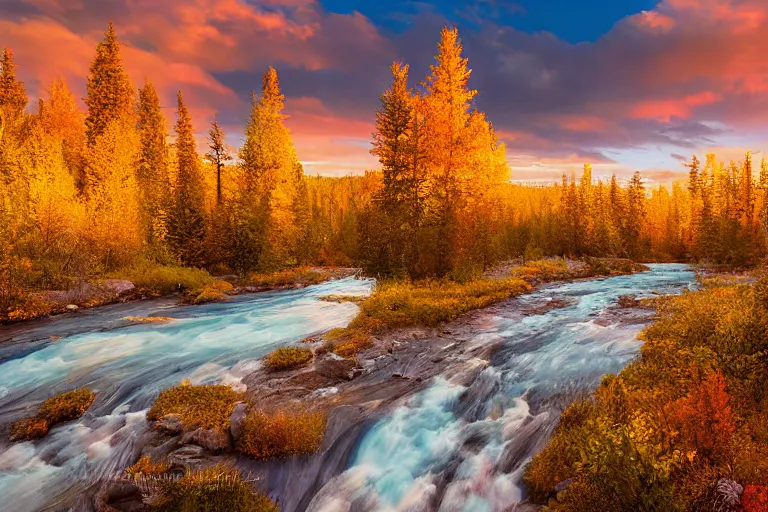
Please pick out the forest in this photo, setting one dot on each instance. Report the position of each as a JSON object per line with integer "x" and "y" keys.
{"x": 89, "y": 193}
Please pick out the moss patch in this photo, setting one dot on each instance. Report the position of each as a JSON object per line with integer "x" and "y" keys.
{"x": 426, "y": 303}
{"x": 207, "y": 407}
{"x": 57, "y": 409}
{"x": 288, "y": 358}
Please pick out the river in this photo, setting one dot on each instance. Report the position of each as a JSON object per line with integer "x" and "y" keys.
{"x": 455, "y": 446}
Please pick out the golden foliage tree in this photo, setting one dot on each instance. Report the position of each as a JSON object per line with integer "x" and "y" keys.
{"x": 110, "y": 94}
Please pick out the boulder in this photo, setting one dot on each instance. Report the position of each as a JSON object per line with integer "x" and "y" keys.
{"x": 118, "y": 286}
{"x": 189, "y": 456}
{"x": 236, "y": 420}
{"x": 170, "y": 424}
{"x": 212, "y": 440}
{"x": 628, "y": 301}
{"x": 336, "y": 369}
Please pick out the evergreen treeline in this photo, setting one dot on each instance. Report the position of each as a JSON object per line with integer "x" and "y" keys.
{"x": 84, "y": 194}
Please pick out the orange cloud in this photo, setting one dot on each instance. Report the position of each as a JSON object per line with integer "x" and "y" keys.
{"x": 665, "y": 110}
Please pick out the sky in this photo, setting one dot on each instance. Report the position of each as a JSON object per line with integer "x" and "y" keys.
{"x": 625, "y": 85}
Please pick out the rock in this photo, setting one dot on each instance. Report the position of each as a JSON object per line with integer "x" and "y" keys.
{"x": 170, "y": 424}
{"x": 236, "y": 420}
{"x": 212, "y": 440}
{"x": 564, "y": 485}
{"x": 119, "y": 497}
{"x": 337, "y": 369}
{"x": 628, "y": 301}
{"x": 118, "y": 286}
{"x": 72, "y": 307}
{"x": 729, "y": 494}
{"x": 188, "y": 456}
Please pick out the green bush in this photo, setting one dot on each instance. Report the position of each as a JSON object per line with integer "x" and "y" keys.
{"x": 207, "y": 407}
{"x": 165, "y": 279}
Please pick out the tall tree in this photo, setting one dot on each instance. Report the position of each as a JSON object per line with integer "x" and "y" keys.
{"x": 13, "y": 96}
{"x": 109, "y": 91}
{"x": 218, "y": 154}
{"x": 271, "y": 175}
{"x": 153, "y": 170}
{"x": 186, "y": 222}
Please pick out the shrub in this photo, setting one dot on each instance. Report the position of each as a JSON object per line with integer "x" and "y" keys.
{"x": 301, "y": 276}
{"x": 288, "y": 358}
{"x": 217, "y": 489}
{"x": 57, "y": 409}
{"x": 267, "y": 436}
{"x": 146, "y": 467}
{"x": 206, "y": 407}
{"x": 755, "y": 499}
{"x": 546, "y": 269}
{"x": 688, "y": 412}
{"x": 215, "y": 291}
{"x": 165, "y": 279}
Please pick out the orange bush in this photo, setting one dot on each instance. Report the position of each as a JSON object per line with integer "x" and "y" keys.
{"x": 704, "y": 418}
{"x": 285, "y": 433}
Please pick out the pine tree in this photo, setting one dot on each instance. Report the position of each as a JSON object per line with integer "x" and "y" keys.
{"x": 186, "y": 222}
{"x": 218, "y": 154}
{"x": 153, "y": 171}
{"x": 271, "y": 174}
{"x": 13, "y": 96}
{"x": 109, "y": 91}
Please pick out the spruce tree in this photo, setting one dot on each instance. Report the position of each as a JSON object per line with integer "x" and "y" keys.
{"x": 109, "y": 91}
{"x": 186, "y": 222}
{"x": 13, "y": 96}
{"x": 271, "y": 175}
{"x": 218, "y": 154}
{"x": 153, "y": 171}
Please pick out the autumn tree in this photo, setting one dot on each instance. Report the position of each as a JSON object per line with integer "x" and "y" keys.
{"x": 186, "y": 220}
{"x": 271, "y": 174}
{"x": 109, "y": 91}
{"x": 153, "y": 170}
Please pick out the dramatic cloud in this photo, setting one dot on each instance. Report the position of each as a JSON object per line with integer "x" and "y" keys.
{"x": 685, "y": 76}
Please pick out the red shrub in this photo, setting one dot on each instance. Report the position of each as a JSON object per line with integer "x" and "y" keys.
{"x": 755, "y": 499}
{"x": 704, "y": 418}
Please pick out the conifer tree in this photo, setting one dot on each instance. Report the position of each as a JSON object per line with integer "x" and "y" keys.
{"x": 186, "y": 222}
{"x": 109, "y": 91}
{"x": 153, "y": 171}
{"x": 218, "y": 154}
{"x": 13, "y": 96}
{"x": 271, "y": 176}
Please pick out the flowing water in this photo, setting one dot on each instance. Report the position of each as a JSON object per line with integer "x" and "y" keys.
{"x": 127, "y": 368}
{"x": 456, "y": 446}
{"x": 459, "y": 447}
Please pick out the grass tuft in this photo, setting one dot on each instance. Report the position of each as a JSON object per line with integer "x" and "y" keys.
{"x": 57, "y": 409}
{"x": 216, "y": 489}
{"x": 288, "y": 358}
{"x": 206, "y": 407}
{"x": 285, "y": 433}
